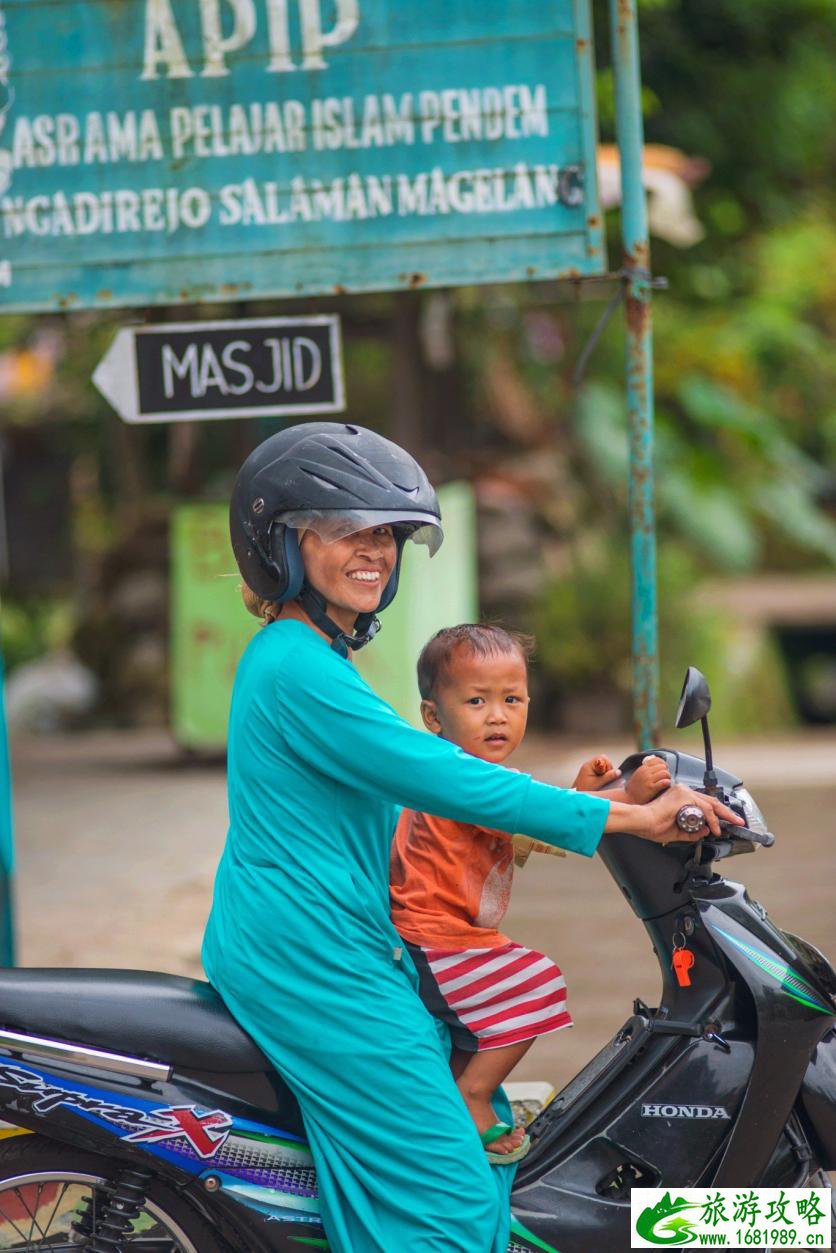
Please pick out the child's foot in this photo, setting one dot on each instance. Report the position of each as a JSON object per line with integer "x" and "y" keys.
{"x": 484, "y": 1115}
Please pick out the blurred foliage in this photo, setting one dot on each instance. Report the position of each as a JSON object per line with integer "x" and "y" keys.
{"x": 730, "y": 483}
{"x": 30, "y": 628}
{"x": 583, "y": 630}
{"x": 745, "y": 373}
{"x": 744, "y": 368}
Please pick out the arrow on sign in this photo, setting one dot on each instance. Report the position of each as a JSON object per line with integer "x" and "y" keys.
{"x": 115, "y": 376}
{"x": 258, "y": 367}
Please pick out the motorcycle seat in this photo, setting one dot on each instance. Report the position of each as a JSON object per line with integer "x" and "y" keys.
{"x": 159, "y": 1017}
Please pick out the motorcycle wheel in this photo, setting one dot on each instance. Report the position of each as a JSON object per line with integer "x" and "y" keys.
{"x": 46, "y": 1187}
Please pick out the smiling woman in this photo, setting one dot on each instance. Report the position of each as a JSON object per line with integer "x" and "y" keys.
{"x": 351, "y": 572}
{"x": 351, "y": 499}
{"x": 300, "y": 943}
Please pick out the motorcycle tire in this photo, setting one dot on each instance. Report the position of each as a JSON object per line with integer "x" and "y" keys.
{"x": 43, "y": 1186}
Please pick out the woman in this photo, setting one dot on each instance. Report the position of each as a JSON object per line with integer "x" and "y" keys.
{"x": 299, "y": 943}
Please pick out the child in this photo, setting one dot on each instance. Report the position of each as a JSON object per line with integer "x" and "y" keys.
{"x": 451, "y": 881}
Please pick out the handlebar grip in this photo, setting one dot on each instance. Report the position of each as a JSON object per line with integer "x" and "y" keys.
{"x": 690, "y": 819}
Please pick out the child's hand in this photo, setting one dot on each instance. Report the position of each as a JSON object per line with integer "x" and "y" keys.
{"x": 594, "y": 774}
{"x": 651, "y": 778}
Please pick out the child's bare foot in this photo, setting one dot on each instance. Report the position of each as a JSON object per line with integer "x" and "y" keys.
{"x": 484, "y": 1115}
{"x": 477, "y": 1082}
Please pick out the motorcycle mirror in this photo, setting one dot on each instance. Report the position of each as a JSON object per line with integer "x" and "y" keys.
{"x": 695, "y": 701}
{"x": 694, "y": 704}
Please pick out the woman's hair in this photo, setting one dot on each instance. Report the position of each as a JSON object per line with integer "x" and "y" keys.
{"x": 477, "y": 640}
{"x": 267, "y": 610}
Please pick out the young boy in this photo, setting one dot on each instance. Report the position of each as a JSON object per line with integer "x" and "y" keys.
{"x": 451, "y": 881}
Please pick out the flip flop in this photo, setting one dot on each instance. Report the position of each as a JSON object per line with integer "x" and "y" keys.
{"x": 503, "y": 1159}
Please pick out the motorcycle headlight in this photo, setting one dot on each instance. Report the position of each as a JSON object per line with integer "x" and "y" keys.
{"x": 755, "y": 820}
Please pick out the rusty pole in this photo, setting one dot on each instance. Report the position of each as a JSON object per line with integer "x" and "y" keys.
{"x": 639, "y": 369}
{"x": 7, "y": 947}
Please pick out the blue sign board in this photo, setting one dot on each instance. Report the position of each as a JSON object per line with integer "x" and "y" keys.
{"x": 165, "y": 151}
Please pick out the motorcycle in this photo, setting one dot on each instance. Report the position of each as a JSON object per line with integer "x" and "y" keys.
{"x": 140, "y": 1115}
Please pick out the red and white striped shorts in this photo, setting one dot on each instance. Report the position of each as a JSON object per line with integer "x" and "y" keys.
{"x": 492, "y": 997}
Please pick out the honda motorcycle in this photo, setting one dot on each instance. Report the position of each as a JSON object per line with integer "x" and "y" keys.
{"x": 141, "y": 1116}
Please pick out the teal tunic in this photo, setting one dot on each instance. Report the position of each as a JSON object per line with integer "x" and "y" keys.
{"x": 301, "y": 947}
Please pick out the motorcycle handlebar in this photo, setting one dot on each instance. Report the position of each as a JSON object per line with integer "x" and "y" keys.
{"x": 765, "y": 838}
{"x": 690, "y": 818}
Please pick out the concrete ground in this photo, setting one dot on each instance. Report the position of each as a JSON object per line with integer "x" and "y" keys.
{"x": 118, "y": 835}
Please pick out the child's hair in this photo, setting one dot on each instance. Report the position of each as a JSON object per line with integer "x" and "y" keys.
{"x": 476, "y": 639}
{"x": 267, "y": 610}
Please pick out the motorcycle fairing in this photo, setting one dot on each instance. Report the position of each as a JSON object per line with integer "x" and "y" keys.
{"x": 808, "y": 955}
{"x": 792, "y": 1016}
{"x": 275, "y": 1203}
{"x": 192, "y": 1139}
{"x": 562, "y": 1191}
{"x": 791, "y": 983}
{"x": 818, "y": 1092}
{"x": 818, "y": 1100}
{"x": 519, "y": 1232}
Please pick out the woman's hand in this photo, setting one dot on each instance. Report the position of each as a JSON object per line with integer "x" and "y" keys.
{"x": 656, "y": 820}
{"x": 651, "y": 778}
{"x": 594, "y": 774}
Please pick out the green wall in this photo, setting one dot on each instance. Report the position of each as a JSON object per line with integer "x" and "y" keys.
{"x": 210, "y": 627}
{"x": 433, "y": 592}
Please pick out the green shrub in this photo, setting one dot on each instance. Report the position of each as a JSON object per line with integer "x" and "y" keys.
{"x": 583, "y": 641}
{"x": 31, "y": 628}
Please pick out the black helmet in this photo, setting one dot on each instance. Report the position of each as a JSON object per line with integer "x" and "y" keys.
{"x": 336, "y": 479}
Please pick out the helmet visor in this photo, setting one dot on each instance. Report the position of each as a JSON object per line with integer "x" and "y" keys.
{"x": 331, "y": 525}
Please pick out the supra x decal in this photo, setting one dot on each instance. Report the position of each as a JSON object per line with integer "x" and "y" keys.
{"x": 205, "y": 1132}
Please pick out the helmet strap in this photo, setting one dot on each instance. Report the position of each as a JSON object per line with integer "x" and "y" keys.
{"x": 366, "y": 626}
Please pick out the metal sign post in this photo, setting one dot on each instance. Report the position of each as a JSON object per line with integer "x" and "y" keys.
{"x": 639, "y": 330}
{"x": 6, "y": 840}
{"x": 248, "y": 368}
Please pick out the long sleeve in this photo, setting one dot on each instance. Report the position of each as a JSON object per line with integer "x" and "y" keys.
{"x": 340, "y": 727}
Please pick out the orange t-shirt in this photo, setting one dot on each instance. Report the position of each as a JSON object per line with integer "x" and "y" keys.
{"x": 450, "y": 882}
